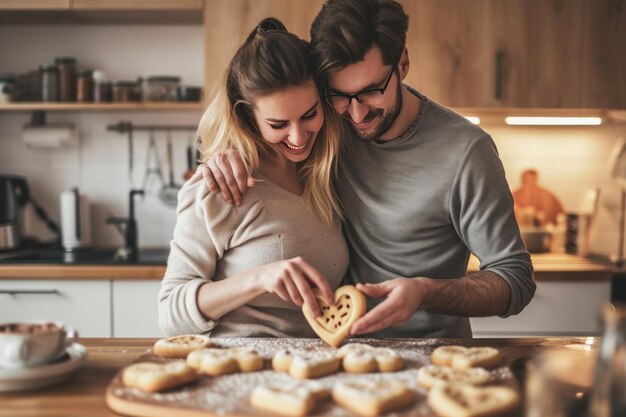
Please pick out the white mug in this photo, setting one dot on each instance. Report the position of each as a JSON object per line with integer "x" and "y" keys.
{"x": 33, "y": 343}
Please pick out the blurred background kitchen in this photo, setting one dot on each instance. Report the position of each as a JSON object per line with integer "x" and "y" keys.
{"x": 137, "y": 64}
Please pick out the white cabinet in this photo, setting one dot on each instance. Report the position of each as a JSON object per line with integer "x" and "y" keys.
{"x": 83, "y": 305}
{"x": 135, "y": 311}
{"x": 558, "y": 309}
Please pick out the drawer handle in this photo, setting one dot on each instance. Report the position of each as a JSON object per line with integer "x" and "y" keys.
{"x": 29, "y": 292}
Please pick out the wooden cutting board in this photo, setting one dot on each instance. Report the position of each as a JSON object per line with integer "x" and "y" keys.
{"x": 228, "y": 395}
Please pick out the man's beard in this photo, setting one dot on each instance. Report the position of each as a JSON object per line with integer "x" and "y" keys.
{"x": 387, "y": 121}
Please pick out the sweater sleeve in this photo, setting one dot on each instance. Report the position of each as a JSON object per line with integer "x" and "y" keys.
{"x": 204, "y": 227}
{"x": 482, "y": 212}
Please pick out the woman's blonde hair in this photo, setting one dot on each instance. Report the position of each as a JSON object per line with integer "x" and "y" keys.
{"x": 271, "y": 59}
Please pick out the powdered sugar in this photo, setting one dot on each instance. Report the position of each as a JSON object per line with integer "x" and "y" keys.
{"x": 229, "y": 394}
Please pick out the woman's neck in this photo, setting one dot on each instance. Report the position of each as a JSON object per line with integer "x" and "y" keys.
{"x": 283, "y": 173}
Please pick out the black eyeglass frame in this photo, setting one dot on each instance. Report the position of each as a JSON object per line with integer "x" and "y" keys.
{"x": 380, "y": 90}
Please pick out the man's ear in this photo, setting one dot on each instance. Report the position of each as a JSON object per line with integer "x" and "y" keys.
{"x": 404, "y": 64}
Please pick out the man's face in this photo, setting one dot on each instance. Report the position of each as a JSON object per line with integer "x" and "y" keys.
{"x": 369, "y": 119}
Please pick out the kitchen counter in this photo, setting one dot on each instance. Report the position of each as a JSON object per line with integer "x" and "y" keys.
{"x": 548, "y": 267}
{"x": 561, "y": 267}
{"x": 83, "y": 394}
{"x": 98, "y": 264}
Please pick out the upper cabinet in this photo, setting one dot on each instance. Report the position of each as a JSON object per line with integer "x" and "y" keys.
{"x": 603, "y": 76}
{"x": 34, "y": 4}
{"x": 101, "y": 11}
{"x": 137, "y": 4}
{"x": 519, "y": 53}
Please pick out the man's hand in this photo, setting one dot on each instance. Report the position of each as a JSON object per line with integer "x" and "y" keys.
{"x": 225, "y": 173}
{"x": 403, "y": 298}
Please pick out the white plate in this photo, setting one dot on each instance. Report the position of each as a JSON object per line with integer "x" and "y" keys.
{"x": 43, "y": 375}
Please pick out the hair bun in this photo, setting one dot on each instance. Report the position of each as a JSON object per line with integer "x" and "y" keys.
{"x": 271, "y": 24}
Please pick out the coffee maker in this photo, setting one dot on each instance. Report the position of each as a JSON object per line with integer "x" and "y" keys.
{"x": 14, "y": 195}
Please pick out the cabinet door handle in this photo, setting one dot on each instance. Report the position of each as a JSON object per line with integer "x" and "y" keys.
{"x": 499, "y": 76}
{"x": 29, "y": 292}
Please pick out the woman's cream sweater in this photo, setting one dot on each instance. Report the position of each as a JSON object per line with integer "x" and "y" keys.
{"x": 214, "y": 240}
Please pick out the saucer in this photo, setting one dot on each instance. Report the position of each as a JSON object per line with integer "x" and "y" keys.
{"x": 43, "y": 375}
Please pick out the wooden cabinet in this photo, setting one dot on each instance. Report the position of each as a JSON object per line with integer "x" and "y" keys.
{"x": 533, "y": 53}
{"x": 137, "y": 5}
{"x": 228, "y": 23}
{"x": 445, "y": 44}
{"x": 604, "y": 54}
{"x": 497, "y": 53}
{"x": 34, "y": 4}
{"x": 519, "y": 53}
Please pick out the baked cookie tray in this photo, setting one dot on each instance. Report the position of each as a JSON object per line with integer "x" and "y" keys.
{"x": 228, "y": 395}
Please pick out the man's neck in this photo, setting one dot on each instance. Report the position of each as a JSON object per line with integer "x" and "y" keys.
{"x": 409, "y": 111}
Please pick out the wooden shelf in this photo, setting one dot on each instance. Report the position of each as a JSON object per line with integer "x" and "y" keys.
{"x": 4, "y": 107}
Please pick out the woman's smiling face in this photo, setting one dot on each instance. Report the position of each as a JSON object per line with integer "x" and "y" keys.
{"x": 290, "y": 120}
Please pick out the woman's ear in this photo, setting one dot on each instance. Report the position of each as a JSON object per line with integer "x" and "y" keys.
{"x": 404, "y": 64}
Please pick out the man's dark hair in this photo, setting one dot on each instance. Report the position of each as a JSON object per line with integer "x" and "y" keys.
{"x": 345, "y": 30}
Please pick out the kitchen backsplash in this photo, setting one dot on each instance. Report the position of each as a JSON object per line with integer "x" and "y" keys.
{"x": 570, "y": 160}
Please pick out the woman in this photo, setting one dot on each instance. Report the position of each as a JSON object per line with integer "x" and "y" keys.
{"x": 247, "y": 270}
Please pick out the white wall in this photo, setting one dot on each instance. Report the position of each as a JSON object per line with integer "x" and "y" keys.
{"x": 99, "y": 164}
{"x": 569, "y": 160}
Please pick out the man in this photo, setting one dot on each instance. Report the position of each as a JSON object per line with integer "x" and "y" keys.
{"x": 421, "y": 187}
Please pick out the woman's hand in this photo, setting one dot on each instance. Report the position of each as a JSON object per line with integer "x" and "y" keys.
{"x": 291, "y": 280}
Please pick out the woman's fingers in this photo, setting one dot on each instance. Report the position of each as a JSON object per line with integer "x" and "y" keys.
{"x": 293, "y": 290}
{"x": 318, "y": 279}
{"x": 304, "y": 290}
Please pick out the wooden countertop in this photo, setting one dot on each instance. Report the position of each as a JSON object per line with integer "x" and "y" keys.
{"x": 561, "y": 267}
{"x": 81, "y": 272}
{"x": 83, "y": 394}
{"x": 548, "y": 267}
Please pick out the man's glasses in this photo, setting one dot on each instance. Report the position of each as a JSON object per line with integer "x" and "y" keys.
{"x": 368, "y": 97}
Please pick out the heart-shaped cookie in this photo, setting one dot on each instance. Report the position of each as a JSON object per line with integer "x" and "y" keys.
{"x": 370, "y": 398}
{"x": 432, "y": 375}
{"x": 333, "y": 326}
{"x": 460, "y": 357}
{"x": 294, "y": 399}
{"x": 459, "y": 400}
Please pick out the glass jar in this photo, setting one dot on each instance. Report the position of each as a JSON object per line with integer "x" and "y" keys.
{"x": 608, "y": 395}
{"x": 125, "y": 91}
{"x": 67, "y": 77}
{"x": 161, "y": 88}
{"x": 49, "y": 83}
{"x": 84, "y": 86}
{"x": 7, "y": 87}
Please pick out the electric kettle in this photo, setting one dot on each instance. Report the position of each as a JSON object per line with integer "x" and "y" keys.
{"x": 14, "y": 195}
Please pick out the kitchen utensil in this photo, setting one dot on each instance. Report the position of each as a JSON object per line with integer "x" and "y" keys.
{"x": 191, "y": 166}
{"x": 169, "y": 191}
{"x": 152, "y": 154}
{"x": 75, "y": 220}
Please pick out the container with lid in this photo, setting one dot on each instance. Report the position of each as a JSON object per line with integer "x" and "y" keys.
{"x": 49, "y": 83}
{"x": 159, "y": 88}
{"x": 7, "y": 87}
{"x": 67, "y": 77}
{"x": 84, "y": 86}
{"x": 126, "y": 91}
